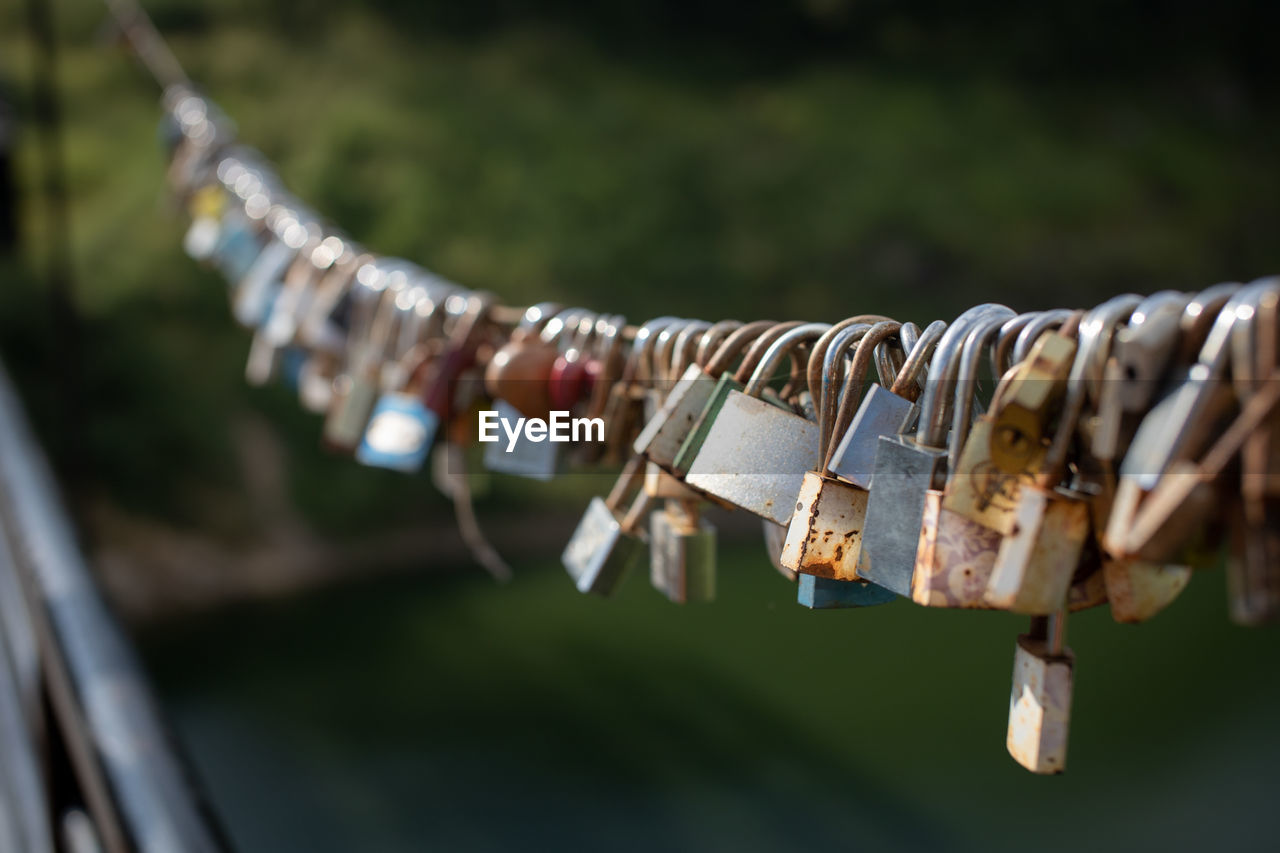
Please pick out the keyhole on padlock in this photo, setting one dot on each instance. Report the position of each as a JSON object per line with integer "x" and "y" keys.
{"x": 1013, "y": 442}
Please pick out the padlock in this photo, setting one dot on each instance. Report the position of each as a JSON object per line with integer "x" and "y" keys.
{"x": 1176, "y": 429}
{"x": 315, "y": 382}
{"x": 280, "y": 325}
{"x": 697, "y": 432}
{"x": 955, "y": 554}
{"x": 207, "y": 207}
{"x": 1253, "y": 570}
{"x": 515, "y": 452}
{"x": 240, "y": 238}
{"x": 568, "y": 382}
{"x": 607, "y": 542}
{"x": 357, "y": 385}
{"x": 328, "y": 318}
{"x": 818, "y": 593}
{"x": 401, "y": 428}
{"x": 1006, "y": 444}
{"x": 1184, "y": 497}
{"x": 605, "y": 365}
{"x": 454, "y": 376}
{"x": 257, "y": 291}
{"x": 623, "y": 408}
{"x": 1138, "y": 590}
{"x": 825, "y": 531}
{"x": 1038, "y": 559}
{"x": 883, "y": 411}
{"x": 239, "y": 243}
{"x": 1040, "y": 701}
{"x": 1141, "y": 356}
{"x": 907, "y": 468}
{"x": 682, "y": 553}
{"x": 1135, "y": 589}
{"x": 732, "y": 465}
{"x": 518, "y": 372}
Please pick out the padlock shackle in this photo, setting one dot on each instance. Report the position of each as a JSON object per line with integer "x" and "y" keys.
{"x": 1093, "y": 343}
{"x": 966, "y": 381}
{"x": 935, "y": 410}
{"x": 1199, "y": 315}
{"x": 1002, "y": 352}
{"x": 889, "y": 357}
{"x": 907, "y": 383}
{"x": 780, "y": 349}
{"x": 757, "y": 349}
{"x": 823, "y": 362}
{"x": 1216, "y": 350}
{"x": 817, "y": 359}
{"x": 1043, "y": 322}
{"x": 556, "y": 328}
{"x": 854, "y": 380}
{"x": 535, "y": 317}
{"x": 686, "y": 344}
{"x": 711, "y": 340}
{"x": 672, "y": 342}
{"x": 737, "y": 341}
{"x": 641, "y": 343}
{"x": 1245, "y": 355}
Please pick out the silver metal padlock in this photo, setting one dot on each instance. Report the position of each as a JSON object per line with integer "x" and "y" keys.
{"x": 907, "y": 468}
{"x": 666, "y": 431}
{"x": 825, "y": 532}
{"x": 606, "y": 542}
{"x": 883, "y": 411}
{"x": 682, "y": 553}
{"x": 755, "y": 454}
{"x": 1040, "y": 701}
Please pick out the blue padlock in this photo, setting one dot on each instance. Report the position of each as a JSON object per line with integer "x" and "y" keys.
{"x": 827, "y": 594}
{"x": 400, "y": 433}
{"x": 236, "y": 249}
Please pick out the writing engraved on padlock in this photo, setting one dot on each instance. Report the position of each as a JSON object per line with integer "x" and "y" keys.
{"x": 954, "y": 559}
{"x": 979, "y": 489}
{"x": 1039, "y": 706}
{"x": 400, "y": 433}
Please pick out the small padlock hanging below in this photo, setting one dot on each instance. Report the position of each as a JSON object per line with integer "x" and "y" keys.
{"x": 1040, "y": 701}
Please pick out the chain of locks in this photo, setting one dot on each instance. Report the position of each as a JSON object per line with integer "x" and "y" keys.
{"x": 1118, "y": 447}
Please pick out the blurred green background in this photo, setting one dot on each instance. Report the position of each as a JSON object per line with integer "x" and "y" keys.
{"x": 788, "y": 159}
